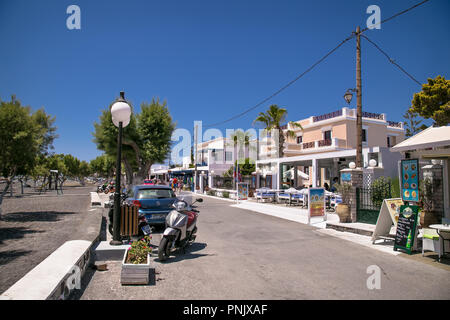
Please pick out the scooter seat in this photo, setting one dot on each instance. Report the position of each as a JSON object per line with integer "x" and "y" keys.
{"x": 191, "y": 218}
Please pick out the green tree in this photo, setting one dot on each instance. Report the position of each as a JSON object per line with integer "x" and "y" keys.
{"x": 433, "y": 101}
{"x": 19, "y": 141}
{"x": 413, "y": 124}
{"x": 146, "y": 140}
{"x": 272, "y": 120}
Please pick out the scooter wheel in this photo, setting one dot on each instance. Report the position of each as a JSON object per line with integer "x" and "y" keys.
{"x": 164, "y": 249}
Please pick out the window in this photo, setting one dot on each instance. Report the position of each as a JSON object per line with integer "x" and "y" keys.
{"x": 228, "y": 156}
{"x": 299, "y": 139}
{"x": 327, "y": 135}
{"x": 391, "y": 141}
{"x": 364, "y": 135}
{"x": 155, "y": 194}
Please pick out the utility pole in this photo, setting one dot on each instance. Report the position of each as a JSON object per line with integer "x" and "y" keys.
{"x": 359, "y": 131}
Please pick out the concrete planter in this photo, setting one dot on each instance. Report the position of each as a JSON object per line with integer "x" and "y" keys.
{"x": 135, "y": 273}
{"x": 343, "y": 211}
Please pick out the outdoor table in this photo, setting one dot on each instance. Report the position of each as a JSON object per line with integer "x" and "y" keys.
{"x": 439, "y": 228}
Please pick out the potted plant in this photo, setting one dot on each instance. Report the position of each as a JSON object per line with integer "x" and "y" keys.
{"x": 343, "y": 209}
{"x": 136, "y": 262}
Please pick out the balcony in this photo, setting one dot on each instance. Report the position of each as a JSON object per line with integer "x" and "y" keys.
{"x": 315, "y": 146}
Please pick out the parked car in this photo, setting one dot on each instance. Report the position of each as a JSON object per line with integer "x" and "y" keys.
{"x": 154, "y": 202}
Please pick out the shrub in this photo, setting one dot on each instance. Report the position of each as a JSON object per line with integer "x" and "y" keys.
{"x": 344, "y": 190}
{"x": 137, "y": 253}
{"x": 380, "y": 190}
{"x": 211, "y": 192}
{"x": 226, "y": 194}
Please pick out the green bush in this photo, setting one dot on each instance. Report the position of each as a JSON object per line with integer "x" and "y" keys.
{"x": 381, "y": 189}
{"x": 225, "y": 194}
{"x": 211, "y": 192}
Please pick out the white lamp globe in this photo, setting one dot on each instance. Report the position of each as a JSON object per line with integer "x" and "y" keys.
{"x": 372, "y": 163}
{"x": 121, "y": 112}
{"x": 352, "y": 165}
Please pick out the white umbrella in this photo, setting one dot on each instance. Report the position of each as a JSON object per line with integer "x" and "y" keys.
{"x": 290, "y": 174}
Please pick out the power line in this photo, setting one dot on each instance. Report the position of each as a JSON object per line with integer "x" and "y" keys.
{"x": 395, "y": 15}
{"x": 282, "y": 88}
{"x": 391, "y": 60}
{"x": 319, "y": 61}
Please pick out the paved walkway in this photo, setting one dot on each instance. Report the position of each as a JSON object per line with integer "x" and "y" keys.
{"x": 32, "y": 227}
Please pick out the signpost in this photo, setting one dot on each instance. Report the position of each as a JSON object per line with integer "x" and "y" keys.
{"x": 406, "y": 235}
{"x": 409, "y": 179}
{"x": 316, "y": 203}
{"x": 389, "y": 213}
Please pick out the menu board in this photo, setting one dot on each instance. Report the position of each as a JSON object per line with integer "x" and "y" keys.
{"x": 406, "y": 228}
{"x": 393, "y": 206}
{"x": 316, "y": 203}
{"x": 410, "y": 180}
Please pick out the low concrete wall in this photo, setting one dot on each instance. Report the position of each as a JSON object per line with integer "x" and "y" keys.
{"x": 56, "y": 276}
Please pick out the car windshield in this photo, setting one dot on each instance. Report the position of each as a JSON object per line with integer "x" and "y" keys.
{"x": 155, "y": 193}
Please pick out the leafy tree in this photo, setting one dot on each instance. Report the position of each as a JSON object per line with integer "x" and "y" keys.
{"x": 19, "y": 141}
{"x": 272, "y": 120}
{"x": 433, "y": 101}
{"x": 246, "y": 168}
{"x": 146, "y": 140}
{"x": 103, "y": 166}
{"x": 413, "y": 125}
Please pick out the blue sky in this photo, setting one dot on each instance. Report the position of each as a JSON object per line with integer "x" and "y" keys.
{"x": 211, "y": 59}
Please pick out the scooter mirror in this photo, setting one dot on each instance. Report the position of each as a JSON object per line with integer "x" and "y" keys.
{"x": 199, "y": 200}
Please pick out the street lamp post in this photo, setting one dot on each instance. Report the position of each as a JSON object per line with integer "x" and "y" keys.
{"x": 121, "y": 112}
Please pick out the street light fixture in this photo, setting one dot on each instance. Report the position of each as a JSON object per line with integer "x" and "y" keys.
{"x": 120, "y": 112}
{"x": 349, "y": 95}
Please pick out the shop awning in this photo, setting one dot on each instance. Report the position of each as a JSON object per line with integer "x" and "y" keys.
{"x": 433, "y": 137}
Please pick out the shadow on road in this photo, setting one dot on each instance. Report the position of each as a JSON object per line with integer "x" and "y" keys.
{"x": 180, "y": 255}
{"x": 15, "y": 233}
{"x": 8, "y": 256}
{"x": 46, "y": 216}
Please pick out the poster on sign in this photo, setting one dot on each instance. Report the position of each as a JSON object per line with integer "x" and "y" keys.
{"x": 242, "y": 191}
{"x": 409, "y": 172}
{"x": 388, "y": 216}
{"x": 316, "y": 203}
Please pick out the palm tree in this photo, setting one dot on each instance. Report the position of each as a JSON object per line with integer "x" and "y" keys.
{"x": 241, "y": 139}
{"x": 272, "y": 120}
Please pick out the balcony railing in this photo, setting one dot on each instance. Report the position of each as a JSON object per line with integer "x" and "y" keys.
{"x": 308, "y": 145}
{"x": 371, "y": 115}
{"x": 325, "y": 143}
{"x": 394, "y": 124}
{"x": 326, "y": 116}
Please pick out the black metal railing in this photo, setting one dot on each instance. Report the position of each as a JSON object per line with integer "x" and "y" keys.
{"x": 369, "y": 201}
{"x": 326, "y": 116}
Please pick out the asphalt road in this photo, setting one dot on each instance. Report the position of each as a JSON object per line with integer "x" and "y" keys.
{"x": 33, "y": 226}
{"x": 241, "y": 254}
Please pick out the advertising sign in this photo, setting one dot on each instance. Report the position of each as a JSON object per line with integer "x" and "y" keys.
{"x": 410, "y": 180}
{"x": 316, "y": 203}
{"x": 406, "y": 228}
{"x": 242, "y": 191}
{"x": 389, "y": 213}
